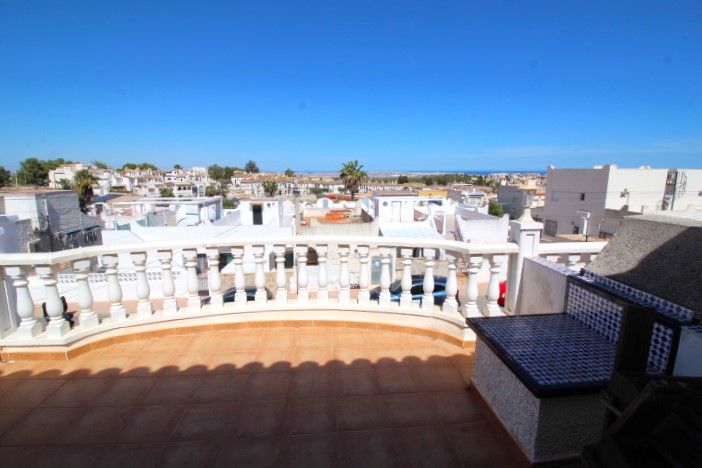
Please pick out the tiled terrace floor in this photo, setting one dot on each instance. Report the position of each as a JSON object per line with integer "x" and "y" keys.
{"x": 253, "y": 397}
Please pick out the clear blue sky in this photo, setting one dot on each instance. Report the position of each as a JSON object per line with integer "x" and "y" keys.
{"x": 399, "y": 85}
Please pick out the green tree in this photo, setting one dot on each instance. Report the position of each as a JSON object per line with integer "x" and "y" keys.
{"x": 129, "y": 166}
{"x": 212, "y": 190}
{"x": 166, "y": 192}
{"x": 177, "y": 167}
{"x": 33, "y": 171}
{"x": 5, "y": 176}
{"x": 52, "y": 164}
{"x": 83, "y": 184}
{"x": 496, "y": 210}
{"x": 270, "y": 188}
{"x": 65, "y": 184}
{"x": 403, "y": 179}
{"x": 251, "y": 167}
{"x": 289, "y": 173}
{"x": 352, "y": 175}
{"x": 100, "y": 164}
{"x": 146, "y": 166}
{"x": 229, "y": 204}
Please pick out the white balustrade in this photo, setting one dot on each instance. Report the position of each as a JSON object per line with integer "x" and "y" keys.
{"x": 114, "y": 290}
{"x": 450, "y": 304}
{"x": 239, "y": 277}
{"x": 88, "y": 318}
{"x": 323, "y": 277}
{"x": 260, "y": 277}
{"x": 194, "y": 302}
{"x": 281, "y": 279}
{"x": 406, "y": 281}
{"x": 214, "y": 278}
{"x": 303, "y": 295}
{"x": 344, "y": 281}
{"x": 471, "y": 309}
{"x": 493, "y": 292}
{"x": 58, "y": 326}
{"x": 144, "y": 308}
{"x": 363, "y": 275}
{"x": 428, "y": 297}
{"x": 385, "y": 280}
{"x": 170, "y": 305}
{"x": 29, "y": 326}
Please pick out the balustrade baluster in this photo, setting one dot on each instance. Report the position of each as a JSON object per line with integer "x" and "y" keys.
{"x": 303, "y": 295}
{"x": 344, "y": 293}
{"x": 239, "y": 277}
{"x": 281, "y": 294}
{"x": 363, "y": 279}
{"x": 214, "y": 278}
{"x": 58, "y": 326}
{"x": 493, "y": 292}
{"x": 170, "y": 305}
{"x": 385, "y": 279}
{"x": 114, "y": 290}
{"x": 87, "y": 318}
{"x": 428, "y": 297}
{"x": 406, "y": 281}
{"x": 194, "y": 302}
{"x": 323, "y": 277}
{"x": 144, "y": 307}
{"x": 471, "y": 309}
{"x": 450, "y": 304}
{"x": 260, "y": 277}
{"x": 29, "y": 326}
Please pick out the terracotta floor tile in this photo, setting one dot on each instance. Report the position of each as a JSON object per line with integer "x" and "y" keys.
{"x": 425, "y": 446}
{"x": 310, "y": 416}
{"x": 22, "y": 369}
{"x": 18, "y": 456}
{"x": 411, "y": 409}
{"x": 188, "y": 364}
{"x": 278, "y": 341}
{"x": 355, "y": 382}
{"x": 319, "y": 383}
{"x": 27, "y": 393}
{"x": 78, "y": 392}
{"x": 123, "y": 391}
{"x": 315, "y": 341}
{"x": 178, "y": 389}
{"x": 240, "y": 342}
{"x": 313, "y": 358}
{"x": 41, "y": 426}
{"x": 61, "y": 457}
{"x": 131, "y": 455}
{"x": 260, "y": 418}
{"x": 259, "y": 452}
{"x": 97, "y": 425}
{"x": 221, "y": 388}
{"x": 382, "y": 339}
{"x": 352, "y": 358}
{"x": 441, "y": 378}
{"x": 390, "y": 357}
{"x": 361, "y": 449}
{"x": 189, "y": 454}
{"x": 481, "y": 444}
{"x": 150, "y": 424}
{"x": 227, "y": 363}
{"x": 205, "y": 344}
{"x": 127, "y": 347}
{"x": 269, "y": 386}
{"x": 399, "y": 379}
{"x": 350, "y": 339}
{"x": 210, "y": 421}
{"x": 275, "y": 360}
{"x": 458, "y": 406}
{"x": 310, "y": 451}
{"x": 171, "y": 344}
{"x": 361, "y": 412}
{"x": 8, "y": 418}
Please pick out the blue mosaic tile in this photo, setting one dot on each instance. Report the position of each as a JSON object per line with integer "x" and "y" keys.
{"x": 552, "y": 351}
{"x": 555, "y": 266}
{"x": 659, "y": 353}
{"x": 696, "y": 329}
{"x": 606, "y": 320}
{"x": 667, "y": 308}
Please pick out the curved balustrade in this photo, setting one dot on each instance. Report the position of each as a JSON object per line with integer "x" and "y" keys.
{"x": 338, "y": 260}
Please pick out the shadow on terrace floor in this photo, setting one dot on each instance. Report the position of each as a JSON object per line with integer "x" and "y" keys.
{"x": 252, "y": 397}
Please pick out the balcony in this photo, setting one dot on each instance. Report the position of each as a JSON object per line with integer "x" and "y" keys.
{"x": 319, "y": 373}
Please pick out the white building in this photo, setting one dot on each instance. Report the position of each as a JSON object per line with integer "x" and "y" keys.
{"x": 589, "y": 201}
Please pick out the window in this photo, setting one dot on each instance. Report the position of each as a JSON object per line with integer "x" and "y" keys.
{"x": 582, "y": 197}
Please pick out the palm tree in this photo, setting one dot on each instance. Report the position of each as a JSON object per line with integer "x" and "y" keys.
{"x": 353, "y": 176}
{"x": 83, "y": 184}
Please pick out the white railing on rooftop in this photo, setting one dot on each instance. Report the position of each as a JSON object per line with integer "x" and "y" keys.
{"x": 27, "y": 327}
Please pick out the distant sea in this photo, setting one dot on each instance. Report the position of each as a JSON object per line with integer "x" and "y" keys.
{"x": 421, "y": 173}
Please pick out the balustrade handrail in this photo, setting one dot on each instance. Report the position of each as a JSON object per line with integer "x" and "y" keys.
{"x": 574, "y": 248}
{"x": 53, "y": 258}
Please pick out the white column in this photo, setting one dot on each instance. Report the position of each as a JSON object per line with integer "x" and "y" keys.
{"x": 29, "y": 326}
{"x": 87, "y": 318}
{"x": 385, "y": 279}
{"x": 475, "y": 263}
{"x": 493, "y": 292}
{"x": 114, "y": 289}
{"x": 363, "y": 277}
{"x": 450, "y": 304}
{"x": 190, "y": 257}
{"x": 214, "y": 278}
{"x": 144, "y": 308}
{"x": 170, "y": 305}
{"x": 260, "y": 277}
{"x": 344, "y": 293}
{"x": 527, "y": 234}
{"x": 281, "y": 294}
{"x": 323, "y": 277}
{"x": 428, "y": 297}
{"x": 406, "y": 281}
{"x": 239, "y": 277}
{"x": 570, "y": 260}
{"x": 303, "y": 295}
{"x": 58, "y": 326}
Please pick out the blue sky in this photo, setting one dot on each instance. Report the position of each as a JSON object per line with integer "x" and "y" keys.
{"x": 399, "y": 85}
